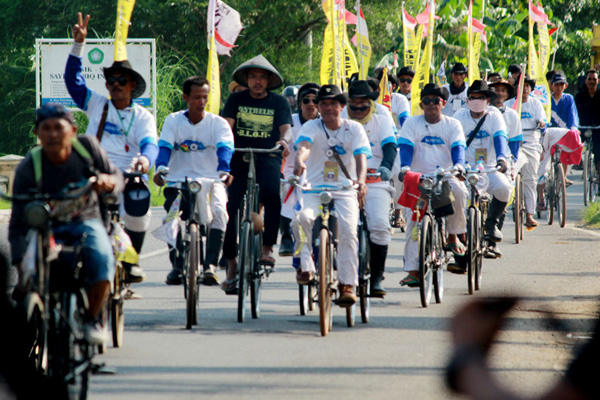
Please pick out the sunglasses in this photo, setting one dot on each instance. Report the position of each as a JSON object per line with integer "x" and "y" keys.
{"x": 307, "y": 100}
{"x": 402, "y": 80}
{"x": 428, "y": 101}
{"x": 476, "y": 98}
{"x": 359, "y": 109}
{"x": 121, "y": 80}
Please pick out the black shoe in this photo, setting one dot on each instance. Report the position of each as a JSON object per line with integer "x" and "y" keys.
{"x": 286, "y": 248}
{"x": 174, "y": 277}
{"x": 376, "y": 289}
{"x": 456, "y": 269}
{"x": 133, "y": 273}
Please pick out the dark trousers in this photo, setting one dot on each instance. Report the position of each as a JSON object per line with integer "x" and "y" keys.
{"x": 268, "y": 175}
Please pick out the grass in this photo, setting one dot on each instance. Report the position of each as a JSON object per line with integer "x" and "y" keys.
{"x": 591, "y": 215}
{"x": 5, "y": 204}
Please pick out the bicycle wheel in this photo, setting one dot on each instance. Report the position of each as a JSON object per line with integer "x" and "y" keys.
{"x": 517, "y": 209}
{"x": 364, "y": 273}
{"x": 303, "y": 298}
{"x": 523, "y": 210}
{"x": 593, "y": 180}
{"x": 325, "y": 280}
{"x": 38, "y": 327}
{"x": 256, "y": 277}
{"x": 480, "y": 244}
{"x": 426, "y": 260}
{"x": 585, "y": 176}
{"x": 472, "y": 242}
{"x": 117, "y": 317}
{"x": 244, "y": 265}
{"x": 438, "y": 266}
{"x": 560, "y": 196}
{"x": 550, "y": 200}
{"x": 351, "y": 315}
{"x": 192, "y": 278}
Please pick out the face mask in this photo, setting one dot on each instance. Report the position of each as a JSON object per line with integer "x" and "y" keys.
{"x": 477, "y": 106}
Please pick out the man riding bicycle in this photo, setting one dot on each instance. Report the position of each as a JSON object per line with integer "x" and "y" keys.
{"x": 126, "y": 131}
{"x": 361, "y": 108}
{"x": 197, "y": 144}
{"x": 331, "y": 149}
{"x": 65, "y": 159}
{"x": 588, "y": 107}
{"x": 487, "y": 143}
{"x": 429, "y": 141}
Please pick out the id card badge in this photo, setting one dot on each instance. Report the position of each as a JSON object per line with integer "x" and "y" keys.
{"x": 456, "y": 104}
{"x": 331, "y": 171}
{"x": 481, "y": 155}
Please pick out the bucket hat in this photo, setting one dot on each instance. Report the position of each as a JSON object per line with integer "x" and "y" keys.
{"x": 125, "y": 68}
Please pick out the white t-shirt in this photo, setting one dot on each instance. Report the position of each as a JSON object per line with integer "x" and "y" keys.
{"x": 455, "y": 101}
{"x": 531, "y": 112}
{"x": 288, "y": 169}
{"x": 432, "y": 143}
{"x": 349, "y": 140}
{"x": 400, "y": 108}
{"x": 194, "y": 147}
{"x": 482, "y": 147}
{"x": 125, "y": 131}
{"x": 380, "y": 132}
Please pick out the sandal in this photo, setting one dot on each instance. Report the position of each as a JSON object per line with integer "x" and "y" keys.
{"x": 267, "y": 260}
{"x": 230, "y": 286}
{"x": 410, "y": 281}
{"x": 568, "y": 182}
{"x": 531, "y": 225}
{"x": 542, "y": 207}
{"x": 458, "y": 249}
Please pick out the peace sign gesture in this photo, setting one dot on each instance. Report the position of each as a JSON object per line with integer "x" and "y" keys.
{"x": 80, "y": 28}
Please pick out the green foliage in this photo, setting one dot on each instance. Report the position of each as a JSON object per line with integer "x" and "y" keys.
{"x": 591, "y": 215}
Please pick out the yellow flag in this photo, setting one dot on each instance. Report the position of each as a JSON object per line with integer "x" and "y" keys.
{"x": 423, "y": 71}
{"x": 350, "y": 64}
{"x": 384, "y": 90}
{"x": 363, "y": 45}
{"x": 544, "y": 41}
{"x": 213, "y": 77}
{"x": 412, "y": 42}
{"x": 474, "y": 39}
{"x": 542, "y": 89}
{"x": 331, "y": 58}
{"x": 124, "y": 10}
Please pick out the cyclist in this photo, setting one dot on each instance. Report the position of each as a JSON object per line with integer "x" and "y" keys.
{"x": 361, "y": 108}
{"x": 126, "y": 131}
{"x": 588, "y": 107}
{"x": 258, "y": 118}
{"x": 564, "y": 119}
{"x": 504, "y": 91}
{"x": 405, "y": 78}
{"x": 197, "y": 144}
{"x": 487, "y": 143}
{"x": 533, "y": 121}
{"x": 291, "y": 95}
{"x": 457, "y": 90}
{"x": 429, "y": 141}
{"x": 307, "y": 100}
{"x": 66, "y": 159}
{"x": 350, "y": 147}
{"x": 494, "y": 77}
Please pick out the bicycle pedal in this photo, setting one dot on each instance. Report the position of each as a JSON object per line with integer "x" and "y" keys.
{"x": 131, "y": 295}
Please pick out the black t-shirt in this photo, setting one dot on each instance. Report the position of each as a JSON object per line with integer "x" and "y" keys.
{"x": 588, "y": 108}
{"x": 257, "y": 121}
{"x": 54, "y": 179}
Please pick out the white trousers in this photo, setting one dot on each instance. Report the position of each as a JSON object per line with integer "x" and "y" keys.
{"x": 217, "y": 199}
{"x": 377, "y": 209}
{"x": 346, "y": 206}
{"x": 529, "y": 173}
{"x": 499, "y": 186}
{"x": 455, "y": 224}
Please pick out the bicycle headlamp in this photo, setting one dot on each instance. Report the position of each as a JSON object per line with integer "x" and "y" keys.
{"x": 588, "y": 133}
{"x": 194, "y": 186}
{"x": 427, "y": 184}
{"x": 473, "y": 179}
{"x": 325, "y": 197}
{"x": 347, "y": 184}
{"x": 37, "y": 214}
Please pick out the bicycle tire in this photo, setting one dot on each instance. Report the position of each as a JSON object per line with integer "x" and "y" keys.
{"x": 38, "y": 325}
{"x": 517, "y": 209}
{"x": 439, "y": 265}
{"x": 256, "y": 279}
{"x": 550, "y": 199}
{"x": 471, "y": 249}
{"x": 522, "y": 208}
{"x": 593, "y": 179}
{"x": 481, "y": 243}
{"x": 117, "y": 316}
{"x": 561, "y": 195}
{"x": 351, "y": 315}
{"x": 303, "y": 298}
{"x": 325, "y": 276}
{"x": 192, "y": 278}
{"x": 425, "y": 260}
{"x": 585, "y": 176}
{"x": 244, "y": 266}
{"x": 364, "y": 273}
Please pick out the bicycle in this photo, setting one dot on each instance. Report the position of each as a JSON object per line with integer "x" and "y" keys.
{"x": 432, "y": 239}
{"x": 250, "y": 271}
{"x": 555, "y": 192}
{"x": 192, "y": 243}
{"x": 476, "y": 214}
{"x": 591, "y": 185}
{"x": 57, "y": 303}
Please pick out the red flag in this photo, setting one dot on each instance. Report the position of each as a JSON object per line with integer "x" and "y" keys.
{"x": 538, "y": 15}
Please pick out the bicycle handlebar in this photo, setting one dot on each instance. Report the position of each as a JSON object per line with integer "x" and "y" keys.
{"x": 255, "y": 150}
{"x": 76, "y": 193}
{"x": 581, "y": 127}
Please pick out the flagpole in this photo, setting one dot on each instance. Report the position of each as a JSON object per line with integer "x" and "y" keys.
{"x": 362, "y": 73}
{"x": 555, "y": 47}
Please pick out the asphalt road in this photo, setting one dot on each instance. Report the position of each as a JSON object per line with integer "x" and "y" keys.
{"x": 400, "y": 353}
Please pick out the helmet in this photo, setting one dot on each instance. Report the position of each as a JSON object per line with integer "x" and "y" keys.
{"x": 136, "y": 197}
{"x": 290, "y": 91}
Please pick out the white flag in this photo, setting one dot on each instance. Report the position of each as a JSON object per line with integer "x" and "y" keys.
{"x": 226, "y": 24}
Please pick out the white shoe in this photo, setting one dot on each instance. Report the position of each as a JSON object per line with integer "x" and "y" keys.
{"x": 94, "y": 333}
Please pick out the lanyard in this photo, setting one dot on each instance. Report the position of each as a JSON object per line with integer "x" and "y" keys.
{"x": 123, "y": 131}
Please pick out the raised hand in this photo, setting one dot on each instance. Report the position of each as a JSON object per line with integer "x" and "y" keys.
{"x": 80, "y": 28}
